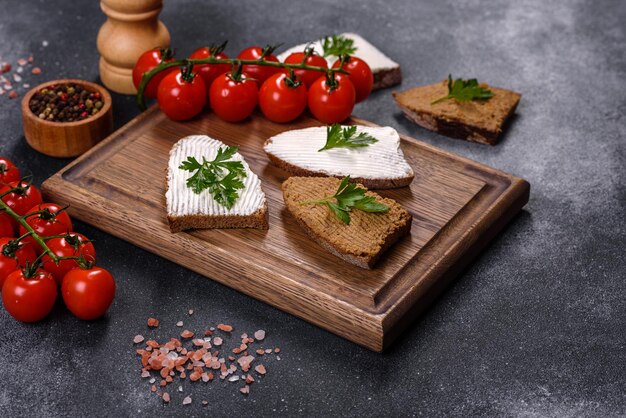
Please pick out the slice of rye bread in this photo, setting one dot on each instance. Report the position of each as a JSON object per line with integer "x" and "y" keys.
{"x": 362, "y": 241}
{"x": 256, "y": 220}
{"x": 369, "y": 183}
{"x": 478, "y": 121}
{"x": 187, "y": 210}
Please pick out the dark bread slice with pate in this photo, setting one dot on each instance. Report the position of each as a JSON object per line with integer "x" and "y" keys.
{"x": 380, "y": 165}
{"x": 478, "y": 120}
{"x": 188, "y": 210}
{"x": 361, "y": 242}
{"x": 386, "y": 72}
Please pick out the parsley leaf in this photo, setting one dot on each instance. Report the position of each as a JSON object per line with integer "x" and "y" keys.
{"x": 221, "y": 177}
{"x": 347, "y": 197}
{"x": 336, "y": 137}
{"x": 338, "y": 45}
{"x": 465, "y": 91}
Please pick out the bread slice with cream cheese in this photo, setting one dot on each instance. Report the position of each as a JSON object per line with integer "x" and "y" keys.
{"x": 386, "y": 72}
{"x": 380, "y": 165}
{"x": 188, "y": 210}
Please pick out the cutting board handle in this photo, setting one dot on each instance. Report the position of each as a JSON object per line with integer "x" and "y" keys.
{"x": 132, "y": 28}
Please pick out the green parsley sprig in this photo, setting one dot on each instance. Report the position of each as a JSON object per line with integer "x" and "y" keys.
{"x": 336, "y": 137}
{"x": 347, "y": 197}
{"x": 338, "y": 45}
{"x": 221, "y": 177}
{"x": 465, "y": 91}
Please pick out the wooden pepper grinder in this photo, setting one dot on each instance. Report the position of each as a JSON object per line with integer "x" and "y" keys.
{"x": 132, "y": 28}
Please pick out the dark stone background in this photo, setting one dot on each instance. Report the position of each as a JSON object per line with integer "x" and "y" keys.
{"x": 535, "y": 327}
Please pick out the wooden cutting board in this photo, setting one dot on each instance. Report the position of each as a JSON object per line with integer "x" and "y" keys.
{"x": 458, "y": 205}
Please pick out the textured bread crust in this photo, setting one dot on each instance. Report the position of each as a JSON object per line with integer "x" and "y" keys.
{"x": 369, "y": 183}
{"x": 256, "y": 220}
{"x": 476, "y": 121}
{"x": 397, "y": 226}
{"x": 387, "y": 78}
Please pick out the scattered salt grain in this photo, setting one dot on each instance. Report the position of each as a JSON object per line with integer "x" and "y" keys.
{"x": 217, "y": 341}
{"x": 166, "y": 397}
{"x": 233, "y": 378}
{"x": 190, "y": 311}
{"x": 245, "y": 390}
{"x": 45, "y": 43}
{"x": 179, "y": 324}
{"x": 36, "y": 71}
{"x": 225, "y": 328}
{"x": 260, "y": 369}
{"x": 138, "y": 339}
{"x": 259, "y": 335}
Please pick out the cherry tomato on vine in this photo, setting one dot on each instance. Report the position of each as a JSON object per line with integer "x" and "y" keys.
{"x": 360, "y": 75}
{"x": 233, "y": 100}
{"x": 331, "y": 105}
{"x": 6, "y": 226}
{"x": 52, "y": 220}
{"x": 181, "y": 95}
{"x": 307, "y": 76}
{"x": 258, "y": 72}
{"x": 8, "y": 171}
{"x": 209, "y": 72}
{"x": 29, "y": 298}
{"x": 146, "y": 62}
{"x": 23, "y": 199}
{"x": 282, "y": 99}
{"x": 13, "y": 255}
{"x": 72, "y": 245}
{"x": 88, "y": 293}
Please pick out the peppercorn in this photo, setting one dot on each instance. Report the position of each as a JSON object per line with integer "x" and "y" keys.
{"x": 65, "y": 103}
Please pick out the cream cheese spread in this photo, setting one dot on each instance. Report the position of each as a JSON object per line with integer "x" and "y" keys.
{"x": 364, "y": 50}
{"x": 381, "y": 160}
{"x": 182, "y": 201}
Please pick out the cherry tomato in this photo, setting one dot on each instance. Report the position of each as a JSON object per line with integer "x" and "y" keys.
{"x": 29, "y": 299}
{"x": 8, "y": 171}
{"x": 332, "y": 105}
{"x": 23, "y": 199}
{"x": 258, "y": 72}
{"x": 72, "y": 245}
{"x": 280, "y": 99}
{"x": 209, "y": 72}
{"x": 147, "y": 61}
{"x": 13, "y": 255}
{"x": 360, "y": 75}
{"x": 233, "y": 100}
{"x": 51, "y": 221}
{"x": 181, "y": 96}
{"x": 88, "y": 293}
{"x": 6, "y": 226}
{"x": 307, "y": 76}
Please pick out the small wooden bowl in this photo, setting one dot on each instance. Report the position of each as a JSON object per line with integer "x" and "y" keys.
{"x": 67, "y": 139}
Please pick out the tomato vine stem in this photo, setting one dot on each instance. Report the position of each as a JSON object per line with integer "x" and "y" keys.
{"x": 30, "y": 232}
{"x": 145, "y": 79}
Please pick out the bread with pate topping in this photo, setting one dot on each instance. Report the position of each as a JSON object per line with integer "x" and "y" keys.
{"x": 363, "y": 240}
{"x": 477, "y": 121}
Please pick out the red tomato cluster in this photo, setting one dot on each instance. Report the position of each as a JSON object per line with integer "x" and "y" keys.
{"x": 233, "y": 97}
{"x": 29, "y": 292}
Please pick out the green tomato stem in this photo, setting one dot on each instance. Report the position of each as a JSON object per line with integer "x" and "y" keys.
{"x": 145, "y": 79}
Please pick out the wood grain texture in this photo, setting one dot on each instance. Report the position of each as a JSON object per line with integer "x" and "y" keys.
{"x": 67, "y": 139}
{"x": 457, "y": 205}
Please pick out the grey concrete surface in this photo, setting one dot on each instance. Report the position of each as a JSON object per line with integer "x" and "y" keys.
{"x": 536, "y": 326}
